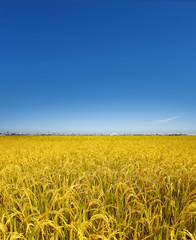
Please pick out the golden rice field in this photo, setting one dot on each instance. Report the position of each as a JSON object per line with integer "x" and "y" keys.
{"x": 98, "y": 187}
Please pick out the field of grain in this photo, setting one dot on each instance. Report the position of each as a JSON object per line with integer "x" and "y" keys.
{"x": 98, "y": 187}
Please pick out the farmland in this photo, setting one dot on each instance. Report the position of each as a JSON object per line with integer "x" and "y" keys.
{"x": 98, "y": 187}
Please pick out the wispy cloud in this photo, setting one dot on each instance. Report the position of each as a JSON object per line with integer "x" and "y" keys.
{"x": 164, "y": 120}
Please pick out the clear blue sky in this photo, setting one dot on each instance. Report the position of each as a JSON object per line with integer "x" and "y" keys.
{"x": 98, "y": 66}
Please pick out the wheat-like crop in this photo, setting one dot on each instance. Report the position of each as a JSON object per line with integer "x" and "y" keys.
{"x": 98, "y": 187}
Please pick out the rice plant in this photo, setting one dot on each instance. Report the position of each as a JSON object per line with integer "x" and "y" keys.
{"x": 98, "y": 187}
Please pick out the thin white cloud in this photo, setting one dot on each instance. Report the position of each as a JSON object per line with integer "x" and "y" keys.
{"x": 164, "y": 120}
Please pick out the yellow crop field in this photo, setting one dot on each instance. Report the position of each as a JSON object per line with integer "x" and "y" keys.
{"x": 98, "y": 187}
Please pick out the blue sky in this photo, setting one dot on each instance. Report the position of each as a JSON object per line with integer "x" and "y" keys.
{"x": 98, "y": 66}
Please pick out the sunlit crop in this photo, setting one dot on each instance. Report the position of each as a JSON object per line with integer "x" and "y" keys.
{"x": 98, "y": 187}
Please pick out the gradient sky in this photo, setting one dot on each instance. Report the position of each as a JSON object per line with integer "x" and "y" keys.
{"x": 98, "y": 66}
